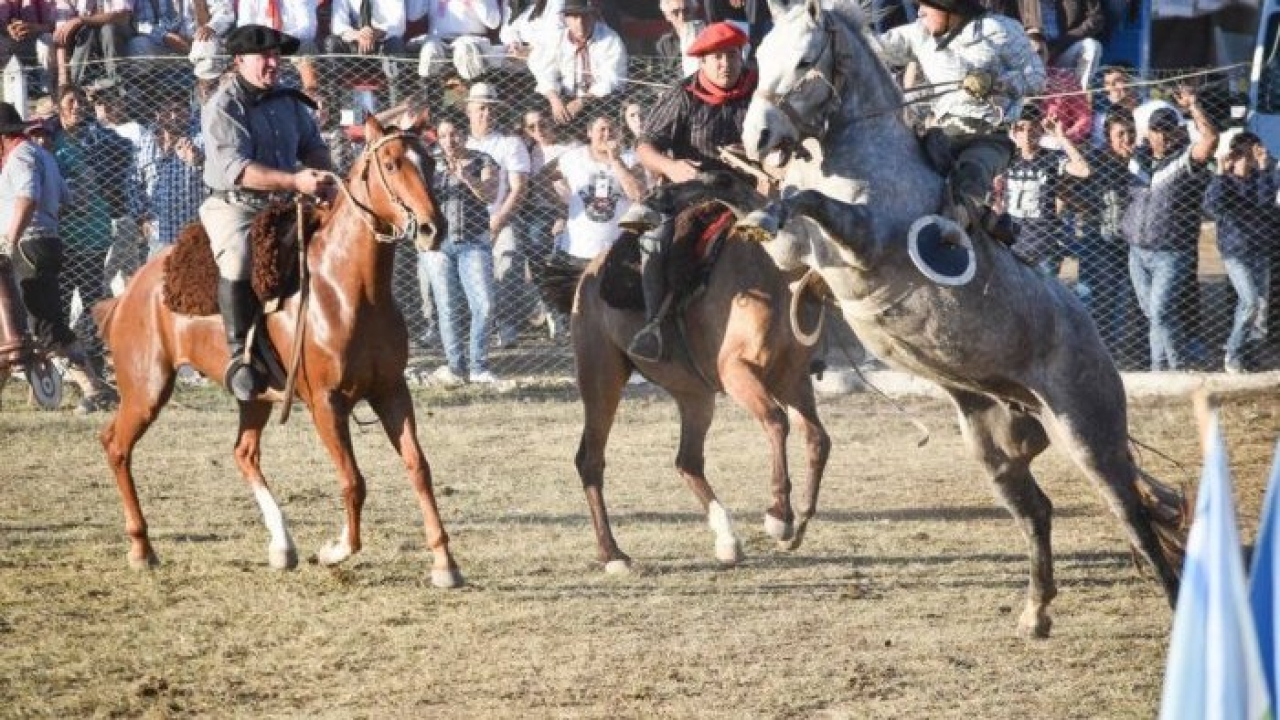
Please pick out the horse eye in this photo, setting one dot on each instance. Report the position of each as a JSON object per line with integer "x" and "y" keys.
{"x": 804, "y": 64}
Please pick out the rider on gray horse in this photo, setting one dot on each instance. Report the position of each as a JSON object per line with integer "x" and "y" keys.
{"x": 991, "y": 64}
{"x": 681, "y": 141}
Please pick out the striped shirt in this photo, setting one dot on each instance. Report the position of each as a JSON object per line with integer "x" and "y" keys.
{"x": 173, "y": 189}
{"x": 686, "y": 128}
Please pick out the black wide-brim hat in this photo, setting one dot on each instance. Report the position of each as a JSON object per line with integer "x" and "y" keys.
{"x": 966, "y": 8}
{"x": 11, "y": 123}
{"x": 578, "y": 7}
{"x": 256, "y": 39}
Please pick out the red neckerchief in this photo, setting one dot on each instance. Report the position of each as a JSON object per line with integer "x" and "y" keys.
{"x": 712, "y": 94}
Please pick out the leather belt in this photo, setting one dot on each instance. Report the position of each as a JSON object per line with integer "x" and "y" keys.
{"x": 254, "y": 198}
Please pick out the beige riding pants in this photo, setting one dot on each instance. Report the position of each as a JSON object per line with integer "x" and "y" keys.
{"x": 228, "y": 227}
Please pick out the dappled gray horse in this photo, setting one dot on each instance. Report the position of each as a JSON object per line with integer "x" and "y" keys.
{"x": 1018, "y": 354}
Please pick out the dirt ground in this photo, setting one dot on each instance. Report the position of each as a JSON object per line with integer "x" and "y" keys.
{"x": 903, "y": 600}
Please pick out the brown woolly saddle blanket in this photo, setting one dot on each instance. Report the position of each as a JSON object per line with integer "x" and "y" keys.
{"x": 191, "y": 275}
{"x": 699, "y": 234}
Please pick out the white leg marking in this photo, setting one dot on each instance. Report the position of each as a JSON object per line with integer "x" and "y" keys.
{"x": 281, "y": 553}
{"x": 728, "y": 548}
{"x": 335, "y": 551}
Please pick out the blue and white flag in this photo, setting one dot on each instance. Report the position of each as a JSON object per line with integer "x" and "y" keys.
{"x": 1263, "y": 577}
{"x": 1214, "y": 667}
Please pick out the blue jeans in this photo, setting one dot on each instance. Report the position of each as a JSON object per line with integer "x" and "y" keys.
{"x": 454, "y": 272}
{"x": 1159, "y": 276}
{"x": 1250, "y": 275}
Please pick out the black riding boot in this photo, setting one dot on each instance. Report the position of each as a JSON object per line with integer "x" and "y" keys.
{"x": 647, "y": 343}
{"x": 239, "y": 306}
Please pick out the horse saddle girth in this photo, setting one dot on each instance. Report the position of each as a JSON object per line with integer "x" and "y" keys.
{"x": 191, "y": 274}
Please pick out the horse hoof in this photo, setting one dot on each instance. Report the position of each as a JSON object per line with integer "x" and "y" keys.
{"x": 447, "y": 578}
{"x": 1035, "y": 623}
{"x": 793, "y": 543}
{"x": 333, "y": 553}
{"x": 282, "y": 558}
{"x": 729, "y": 552}
{"x": 144, "y": 563}
{"x": 779, "y": 530}
{"x": 617, "y": 567}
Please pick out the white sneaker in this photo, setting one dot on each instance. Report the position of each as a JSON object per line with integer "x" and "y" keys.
{"x": 444, "y": 377}
{"x": 484, "y": 377}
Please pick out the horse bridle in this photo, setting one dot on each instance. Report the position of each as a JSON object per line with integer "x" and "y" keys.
{"x": 370, "y": 218}
{"x": 816, "y": 126}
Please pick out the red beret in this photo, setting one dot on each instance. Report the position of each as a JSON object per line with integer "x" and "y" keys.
{"x": 717, "y": 37}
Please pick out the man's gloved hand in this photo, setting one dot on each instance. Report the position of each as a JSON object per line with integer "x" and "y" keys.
{"x": 979, "y": 84}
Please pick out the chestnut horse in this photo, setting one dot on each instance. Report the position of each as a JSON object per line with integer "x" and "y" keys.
{"x": 735, "y": 337}
{"x": 354, "y": 347}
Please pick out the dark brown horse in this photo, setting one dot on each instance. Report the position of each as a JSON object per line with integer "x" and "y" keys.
{"x": 734, "y": 337}
{"x": 354, "y": 348}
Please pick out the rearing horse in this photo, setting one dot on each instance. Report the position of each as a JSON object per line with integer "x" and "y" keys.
{"x": 354, "y": 347}
{"x": 1018, "y": 354}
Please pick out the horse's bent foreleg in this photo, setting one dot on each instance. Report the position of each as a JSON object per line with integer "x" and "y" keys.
{"x": 332, "y": 413}
{"x": 281, "y": 552}
{"x": 1005, "y": 441}
{"x": 602, "y": 373}
{"x": 395, "y": 410}
{"x": 140, "y": 404}
{"x": 804, "y": 408}
{"x": 696, "y": 413}
{"x": 743, "y": 385}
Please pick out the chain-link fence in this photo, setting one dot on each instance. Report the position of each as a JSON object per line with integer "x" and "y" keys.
{"x": 135, "y": 187}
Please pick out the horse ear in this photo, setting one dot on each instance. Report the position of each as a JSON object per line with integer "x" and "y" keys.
{"x": 421, "y": 121}
{"x": 814, "y": 9}
{"x": 372, "y": 128}
{"x": 778, "y": 8}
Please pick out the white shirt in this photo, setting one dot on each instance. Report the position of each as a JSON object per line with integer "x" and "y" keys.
{"x": 555, "y": 66}
{"x": 521, "y": 29}
{"x": 596, "y": 202}
{"x": 511, "y": 156}
{"x": 64, "y": 10}
{"x": 452, "y": 18}
{"x": 388, "y": 16}
{"x": 539, "y": 155}
{"x": 297, "y": 17}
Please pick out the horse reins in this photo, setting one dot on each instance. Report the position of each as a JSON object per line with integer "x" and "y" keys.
{"x": 366, "y": 213}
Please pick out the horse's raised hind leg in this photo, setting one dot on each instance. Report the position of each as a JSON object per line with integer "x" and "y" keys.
{"x": 602, "y": 373}
{"x": 332, "y": 416}
{"x": 395, "y": 409}
{"x": 804, "y": 409}
{"x": 696, "y": 413}
{"x": 281, "y": 552}
{"x": 1005, "y": 441}
{"x": 743, "y": 384}
{"x": 140, "y": 404}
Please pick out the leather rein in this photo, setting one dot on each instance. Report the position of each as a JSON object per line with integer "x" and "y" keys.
{"x": 370, "y": 218}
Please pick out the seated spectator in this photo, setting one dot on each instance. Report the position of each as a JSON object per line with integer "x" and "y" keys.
{"x": 1065, "y": 102}
{"x": 597, "y": 182}
{"x": 292, "y": 17}
{"x": 464, "y": 183}
{"x": 682, "y": 15}
{"x": 171, "y": 163}
{"x": 524, "y": 24}
{"x": 1162, "y": 225}
{"x": 366, "y": 27}
{"x": 26, "y": 31}
{"x": 91, "y": 29}
{"x": 1031, "y": 189}
{"x": 751, "y": 16}
{"x": 1117, "y": 93}
{"x": 1242, "y": 200}
{"x": 1069, "y": 31}
{"x": 181, "y": 27}
{"x": 586, "y": 62}
{"x": 458, "y": 30}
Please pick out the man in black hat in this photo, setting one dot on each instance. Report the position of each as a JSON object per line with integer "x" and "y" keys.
{"x": 587, "y": 61}
{"x": 31, "y": 193}
{"x": 991, "y": 65}
{"x": 256, "y": 135}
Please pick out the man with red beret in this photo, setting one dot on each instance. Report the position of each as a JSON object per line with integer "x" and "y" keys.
{"x": 682, "y": 137}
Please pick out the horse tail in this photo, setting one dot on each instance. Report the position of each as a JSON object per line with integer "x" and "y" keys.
{"x": 104, "y": 312}
{"x": 558, "y": 283}
{"x": 1169, "y": 511}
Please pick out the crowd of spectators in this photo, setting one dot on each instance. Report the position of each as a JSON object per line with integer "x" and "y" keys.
{"x": 537, "y": 120}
